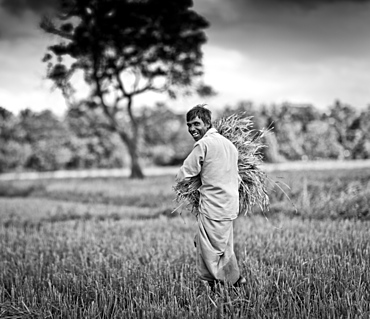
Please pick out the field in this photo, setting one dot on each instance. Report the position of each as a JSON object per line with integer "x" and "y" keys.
{"x": 110, "y": 248}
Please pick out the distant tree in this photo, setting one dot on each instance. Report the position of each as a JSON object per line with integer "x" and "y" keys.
{"x": 49, "y": 139}
{"x": 262, "y": 119}
{"x": 290, "y": 139}
{"x": 321, "y": 142}
{"x": 342, "y": 118}
{"x": 5, "y": 114}
{"x": 165, "y": 137}
{"x": 291, "y": 122}
{"x": 126, "y": 48}
{"x": 361, "y": 126}
{"x": 303, "y": 114}
{"x": 13, "y": 151}
{"x": 92, "y": 144}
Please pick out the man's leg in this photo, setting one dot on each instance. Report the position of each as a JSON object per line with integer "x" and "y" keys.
{"x": 215, "y": 254}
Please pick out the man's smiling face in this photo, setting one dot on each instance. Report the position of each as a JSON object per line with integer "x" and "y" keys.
{"x": 197, "y": 128}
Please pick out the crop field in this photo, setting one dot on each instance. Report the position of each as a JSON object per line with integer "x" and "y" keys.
{"x": 111, "y": 248}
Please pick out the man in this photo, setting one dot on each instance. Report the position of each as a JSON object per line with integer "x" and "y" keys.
{"x": 215, "y": 159}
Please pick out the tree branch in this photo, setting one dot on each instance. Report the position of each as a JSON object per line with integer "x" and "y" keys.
{"x": 137, "y": 79}
{"x": 132, "y": 117}
{"x": 147, "y": 87}
{"x": 120, "y": 83}
{"x": 100, "y": 93}
{"x": 48, "y": 26}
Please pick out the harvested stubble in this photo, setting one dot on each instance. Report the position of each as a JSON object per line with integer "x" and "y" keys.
{"x": 253, "y": 186}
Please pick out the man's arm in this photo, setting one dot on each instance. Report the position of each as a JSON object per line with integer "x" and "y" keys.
{"x": 192, "y": 164}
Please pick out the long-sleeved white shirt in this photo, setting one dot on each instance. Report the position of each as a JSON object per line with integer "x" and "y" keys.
{"x": 215, "y": 158}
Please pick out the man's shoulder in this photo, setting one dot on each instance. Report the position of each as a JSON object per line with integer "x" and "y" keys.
{"x": 216, "y": 138}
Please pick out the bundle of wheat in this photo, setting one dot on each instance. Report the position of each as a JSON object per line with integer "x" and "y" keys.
{"x": 253, "y": 186}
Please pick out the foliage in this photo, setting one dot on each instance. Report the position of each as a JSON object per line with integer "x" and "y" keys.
{"x": 303, "y": 133}
{"x": 84, "y": 139}
{"x": 125, "y": 48}
{"x": 361, "y": 131}
{"x": 92, "y": 143}
{"x": 48, "y": 138}
{"x": 13, "y": 151}
{"x": 165, "y": 137}
{"x": 43, "y": 142}
{"x": 342, "y": 119}
{"x": 13, "y": 155}
{"x": 320, "y": 141}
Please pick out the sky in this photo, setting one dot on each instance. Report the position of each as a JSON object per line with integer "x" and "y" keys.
{"x": 264, "y": 51}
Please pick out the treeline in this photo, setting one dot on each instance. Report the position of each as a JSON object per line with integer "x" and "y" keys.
{"x": 42, "y": 141}
{"x": 302, "y": 132}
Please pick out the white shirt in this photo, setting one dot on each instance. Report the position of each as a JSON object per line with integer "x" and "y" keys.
{"x": 215, "y": 158}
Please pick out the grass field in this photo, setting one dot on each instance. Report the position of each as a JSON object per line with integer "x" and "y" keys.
{"x": 110, "y": 248}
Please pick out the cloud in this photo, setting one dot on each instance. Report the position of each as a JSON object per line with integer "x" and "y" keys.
{"x": 14, "y": 28}
{"x": 305, "y": 4}
{"x": 281, "y": 32}
{"x": 242, "y": 77}
{"x": 302, "y": 4}
{"x": 19, "y": 19}
{"x": 18, "y": 7}
{"x": 235, "y": 12}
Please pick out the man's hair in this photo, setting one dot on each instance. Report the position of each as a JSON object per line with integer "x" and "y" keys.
{"x": 200, "y": 111}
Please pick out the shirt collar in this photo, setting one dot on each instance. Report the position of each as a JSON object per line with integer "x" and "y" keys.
{"x": 212, "y": 130}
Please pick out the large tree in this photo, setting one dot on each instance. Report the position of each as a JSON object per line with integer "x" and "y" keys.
{"x": 125, "y": 48}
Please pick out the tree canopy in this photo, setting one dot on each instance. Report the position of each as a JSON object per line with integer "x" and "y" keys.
{"x": 126, "y": 48}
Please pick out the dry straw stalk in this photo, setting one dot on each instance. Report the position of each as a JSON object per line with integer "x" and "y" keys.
{"x": 249, "y": 142}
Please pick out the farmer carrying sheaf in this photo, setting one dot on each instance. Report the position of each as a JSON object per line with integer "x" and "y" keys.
{"x": 215, "y": 159}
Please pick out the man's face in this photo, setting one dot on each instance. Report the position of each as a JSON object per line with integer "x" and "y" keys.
{"x": 197, "y": 128}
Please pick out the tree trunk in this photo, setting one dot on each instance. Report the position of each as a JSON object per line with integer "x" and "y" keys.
{"x": 136, "y": 171}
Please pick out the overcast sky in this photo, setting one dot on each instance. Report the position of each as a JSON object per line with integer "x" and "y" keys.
{"x": 265, "y": 51}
